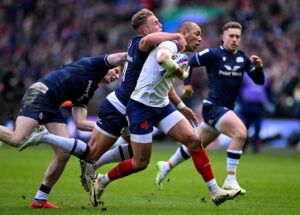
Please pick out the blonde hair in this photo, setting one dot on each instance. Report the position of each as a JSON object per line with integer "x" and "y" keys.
{"x": 232, "y": 25}
{"x": 140, "y": 18}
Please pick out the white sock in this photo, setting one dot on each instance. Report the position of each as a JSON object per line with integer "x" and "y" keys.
{"x": 231, "y": 178}
{"x": 104, "y": 180}
{"x": 70, "y": 145}
{"x": 117, "y": 154}
{"x": 120, "y": 141}
{"x": 41, "y": 195}
{"x": 212, "y": 186}
{"x": 233, "y": 158}
{"x": 182, "y": 153}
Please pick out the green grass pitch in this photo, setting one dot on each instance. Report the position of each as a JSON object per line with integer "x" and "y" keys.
{"x": 271, "y": 178}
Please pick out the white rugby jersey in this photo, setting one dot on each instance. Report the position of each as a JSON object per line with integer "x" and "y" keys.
{"x": 153, "y": 86}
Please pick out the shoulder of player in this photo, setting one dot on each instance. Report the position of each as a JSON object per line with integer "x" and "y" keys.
{"x": 171, "y": 45}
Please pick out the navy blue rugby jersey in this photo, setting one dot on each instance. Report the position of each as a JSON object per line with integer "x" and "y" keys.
{"x": 225, "y": 71}
{"x": 133, "y": 67}
{"x": 77, "y": 81}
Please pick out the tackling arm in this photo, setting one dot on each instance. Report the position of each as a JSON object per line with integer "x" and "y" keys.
{"x": 117, "y": 59}
{"x": 153, "y": 39}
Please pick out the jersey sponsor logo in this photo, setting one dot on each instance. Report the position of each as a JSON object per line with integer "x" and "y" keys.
{"x": 144, "y": 125}
{"x": 231, "y": 71}
{"x": 239, "y": 60}
{"x": 86, "y": 93}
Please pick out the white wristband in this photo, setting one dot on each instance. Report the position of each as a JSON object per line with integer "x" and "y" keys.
{"x": 180, "y": 106}
{"x": 184, "y": 75}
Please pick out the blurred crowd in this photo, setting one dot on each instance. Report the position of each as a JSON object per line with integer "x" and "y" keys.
{"x": 37, "y": 36}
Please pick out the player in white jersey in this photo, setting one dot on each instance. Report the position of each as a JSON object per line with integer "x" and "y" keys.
{"x": 149, "y": 106}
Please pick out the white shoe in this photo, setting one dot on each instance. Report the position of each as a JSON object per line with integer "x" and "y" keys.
{"x": 34, "y": 138}
{"x": 162, "y": 168}
{"x": 97, "y": 191}
{"x": 233, "y": 185}
{"x": 88, "y": 175}
{"x": 224, "y": 195}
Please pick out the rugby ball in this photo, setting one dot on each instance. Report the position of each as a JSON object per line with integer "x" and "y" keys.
{"x": 182, "y": 60}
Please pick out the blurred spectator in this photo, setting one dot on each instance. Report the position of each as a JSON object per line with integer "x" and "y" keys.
{"x": 253, "y": 101}
{"x": 37, "y": 36}
{"x": 11, "y": 91}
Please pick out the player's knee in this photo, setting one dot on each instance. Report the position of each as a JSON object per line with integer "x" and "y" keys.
{"x": 193, "y": 142}
{"x": 241, "y": 136}
{"x": 140, "y": 164}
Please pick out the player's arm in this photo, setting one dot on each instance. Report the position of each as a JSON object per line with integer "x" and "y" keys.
{"x": 255, "y": 70}
{"x": 153, "y": 39}
{"x": 117, "y": 59}
{"x": 79, "y": 114}
{"x": 164, "y": 59}
{"x": 178, "y": 103}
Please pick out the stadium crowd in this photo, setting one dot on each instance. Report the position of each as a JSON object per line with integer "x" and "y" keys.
{"x": 38, "y": 36}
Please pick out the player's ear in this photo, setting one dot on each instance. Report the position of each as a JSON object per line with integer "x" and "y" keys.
{"x": 221, "y": 38}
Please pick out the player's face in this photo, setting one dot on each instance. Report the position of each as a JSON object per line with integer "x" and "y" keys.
{"x": 153, "y": 25}
{"x": 193, "y": 37}
{"x": 231, "y": 39}
{"x": 111, "y": 76}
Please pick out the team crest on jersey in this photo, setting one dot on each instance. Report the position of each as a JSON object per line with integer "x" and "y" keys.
{"x": 239, "y": 59}
{"x": 223, "y": 58}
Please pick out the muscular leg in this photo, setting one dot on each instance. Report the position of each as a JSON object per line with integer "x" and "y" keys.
{"x": 55, "y": 168}
{"x": 184, "y": 133}
{"x": 207, "y": 135}
{"x": 232, "y": 126}
{"x": 24, "y": 127}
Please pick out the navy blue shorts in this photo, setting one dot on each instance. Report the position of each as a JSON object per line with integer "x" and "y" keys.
{"x": 211, "y": 113}
{"x": 37, "y": 105}
{"x": 110, "y": 120}
{"x": 143, "y": 118}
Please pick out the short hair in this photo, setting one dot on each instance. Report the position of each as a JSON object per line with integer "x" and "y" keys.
{"x": 140, "y": 18}
{"x": 187, "y": 25}
{"x": 232, "y": 25}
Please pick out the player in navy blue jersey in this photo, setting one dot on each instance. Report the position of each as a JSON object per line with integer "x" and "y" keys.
{"x": 75, "y": 82}
{"x": 111, "y": 117}
{"x": 225, "y": 67}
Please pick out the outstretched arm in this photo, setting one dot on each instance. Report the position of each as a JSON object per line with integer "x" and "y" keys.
{"x": 117, "y": 59}
{"x": 153, "y": 39}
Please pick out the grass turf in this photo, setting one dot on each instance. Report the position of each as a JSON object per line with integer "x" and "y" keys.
{"x": 271, "y": 178}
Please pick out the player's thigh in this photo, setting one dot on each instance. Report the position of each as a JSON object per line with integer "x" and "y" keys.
{"x": 182, "y": 132}
{"x": 207, "y": 134}
{"x": 58, "y": 128}
{"x": 232, "y": 125}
